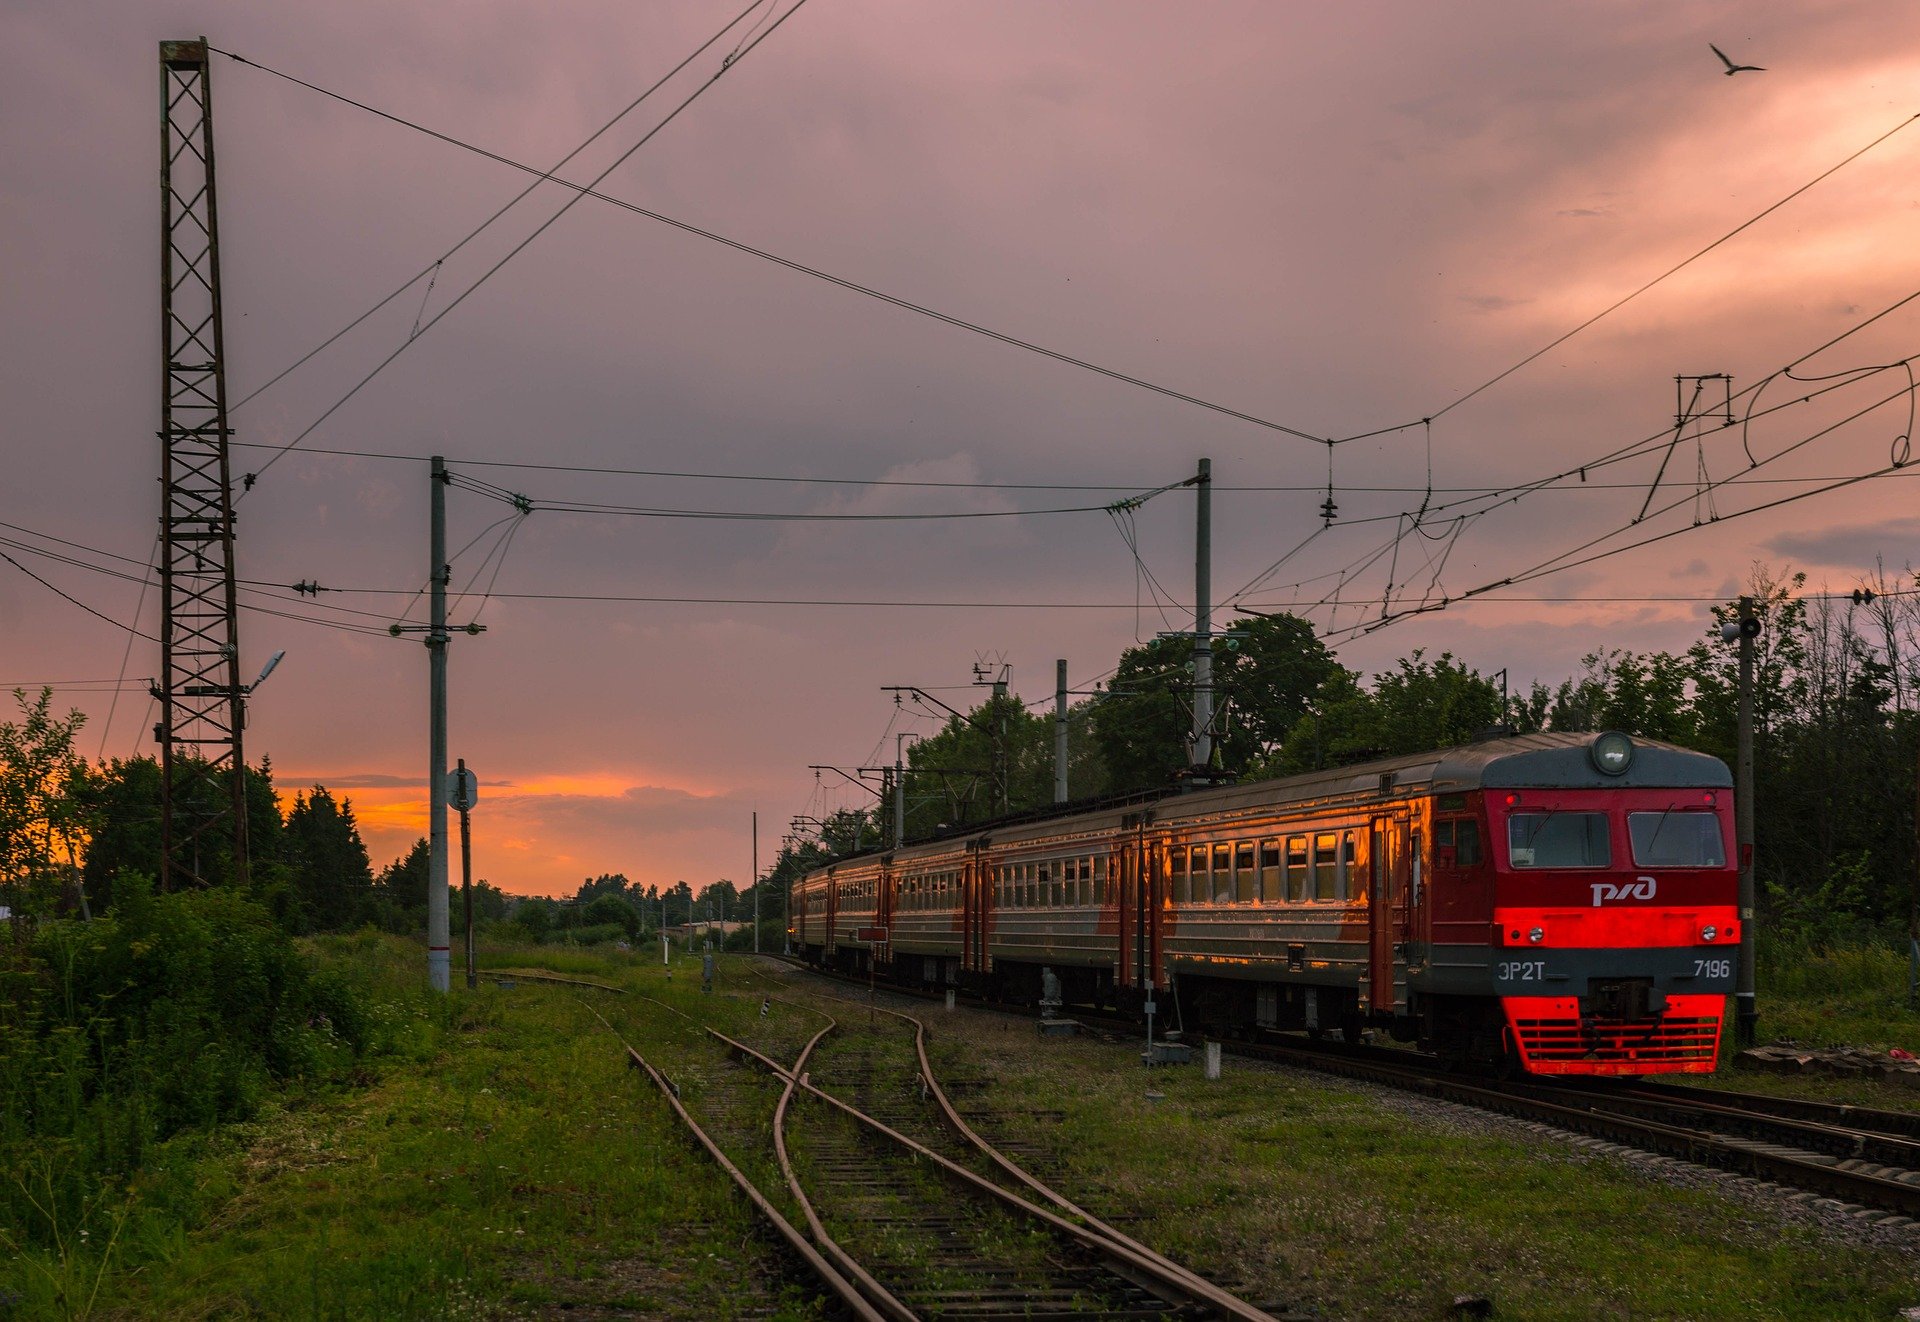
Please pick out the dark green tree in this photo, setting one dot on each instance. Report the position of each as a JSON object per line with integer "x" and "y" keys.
{"x": 1266, "y": 673}
{"x": 610, "y": 908}
{"x": 402, "y": 890}
{"x": 327, "y": 863}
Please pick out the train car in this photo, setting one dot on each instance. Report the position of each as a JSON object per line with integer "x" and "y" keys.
{"x": 1561, "y": 903}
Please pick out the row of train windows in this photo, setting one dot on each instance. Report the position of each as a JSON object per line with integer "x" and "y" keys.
{"x": 1295, "y": 868}
{"x": 1057, "y": 883}
{"x": 935, "y": 890}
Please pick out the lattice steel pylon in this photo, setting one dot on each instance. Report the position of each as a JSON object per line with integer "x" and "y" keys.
{"x": 202, "y": 702}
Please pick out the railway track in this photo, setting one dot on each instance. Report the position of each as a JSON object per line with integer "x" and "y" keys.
{"x": 1008, "y": 1246}
{"x": 1858, "y": 1157}
{"x": 897, "y": 1226}
{"x": 1851, "y": 1163}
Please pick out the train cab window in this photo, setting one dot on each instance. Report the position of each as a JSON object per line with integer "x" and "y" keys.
{"x": 1246, "y": 882}
{"x": 1270, "y": 878}
{"x": 1672, "y": 839}
{"x": 1326, "y": 867}
{"x": 1296, "y": 867}
{"x": 1222, "y": 874}
{"x": 1558, "y": 840}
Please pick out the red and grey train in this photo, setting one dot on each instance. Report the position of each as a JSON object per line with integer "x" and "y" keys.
{"x": 1565, "y": 903}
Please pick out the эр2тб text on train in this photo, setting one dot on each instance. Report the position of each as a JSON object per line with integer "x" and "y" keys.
{"x": 1561, "y": 903}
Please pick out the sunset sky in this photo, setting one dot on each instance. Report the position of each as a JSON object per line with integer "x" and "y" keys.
{"x": 1334, "y": 218}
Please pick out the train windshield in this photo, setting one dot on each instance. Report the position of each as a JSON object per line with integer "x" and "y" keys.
{"x": 1558, "y": 840}
{"x": 1672, "y": 839}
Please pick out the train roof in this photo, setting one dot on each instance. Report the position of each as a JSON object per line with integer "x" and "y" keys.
{"x": 1527, "y": 761}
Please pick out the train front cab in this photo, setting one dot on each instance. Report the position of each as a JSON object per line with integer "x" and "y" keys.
{"x": 1614, "y": 923}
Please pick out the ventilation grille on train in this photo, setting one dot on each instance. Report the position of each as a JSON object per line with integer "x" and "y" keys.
{"x": 1646, "y": 1040}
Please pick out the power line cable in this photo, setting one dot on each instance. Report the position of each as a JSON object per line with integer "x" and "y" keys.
{"x": 126, "y": 655}
{"x": 432, "y": 270}
{"x": 515, "y": 251}
{"x": 852, "y": 286}
{"x": 1245, "y": 488}
{"x": 1628, "y": 298}
{"x": 75, "y": 600}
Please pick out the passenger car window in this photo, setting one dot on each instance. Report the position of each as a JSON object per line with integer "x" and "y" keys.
{"x": 1177, "y": 885}
{"x": 1222, "y": 874}
{"x": 1558, "y": 840}
{"x": 1296, "y": 867}
{"x": 1326, "y": 867}
{"x": 1246, "y": 882}
{"x": 1270, "y": 878}
{"x": 1676, "y": 840}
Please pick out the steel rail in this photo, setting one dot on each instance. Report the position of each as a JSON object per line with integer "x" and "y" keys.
{"x": 842, "y": 1288}
{"x": 1813, "y": 1135}
{"x": 1230, "y": 1305}
{"x": 536, "y": 975}
{"x": 1590, "y": 1116}
{"x": 1694, "y": 1145}
{"x": 882, "y": 1298}
{"x": 1184, "y": 1286}
{"x": 1875, "y": 1120}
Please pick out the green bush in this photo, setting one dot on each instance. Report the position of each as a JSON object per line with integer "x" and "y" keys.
{"x": 172, "y": 1014}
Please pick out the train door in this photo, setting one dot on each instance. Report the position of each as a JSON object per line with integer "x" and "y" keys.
{"x": 975, "y": 882}
{"x": 832, "y": 885}
{"x": 982, "y": 911}
{"x": 1126, "y": 879}
{"x": 1388, "y": 914}
{"x": 1139, "y": 925}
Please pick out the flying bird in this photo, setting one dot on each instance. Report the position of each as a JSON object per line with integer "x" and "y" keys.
{"x": 1733, "y": 68}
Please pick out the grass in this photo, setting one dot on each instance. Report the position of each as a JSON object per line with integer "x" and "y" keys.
{"x": 520, "y": 1170}
{"x": 1845, "y": 996}
{"x": 501, "y": 1162}
{"x": 1853, "y": 995}
{"x": 1318, "y": 1194}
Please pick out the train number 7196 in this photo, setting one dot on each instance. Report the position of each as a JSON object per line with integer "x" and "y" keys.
{"x": 1713, "y": 968}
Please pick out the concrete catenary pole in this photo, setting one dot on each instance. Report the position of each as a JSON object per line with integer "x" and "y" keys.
{"x": 1746, "y": 1008}
{"x": 1203, "y": 619}
{"x": 756, "y": 883}
{"x": 439, "y": 943}
{"x": 1060, "y": 731}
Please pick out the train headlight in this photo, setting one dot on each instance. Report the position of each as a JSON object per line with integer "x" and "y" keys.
{"x": 1709, "y": 933}
{"x": 1611, "y": 753}
{"x": 1537, "y": 935}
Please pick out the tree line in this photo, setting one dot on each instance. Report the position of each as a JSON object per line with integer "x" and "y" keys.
{"x": 71, "y": 830}
{"x": 1836, "y": 738}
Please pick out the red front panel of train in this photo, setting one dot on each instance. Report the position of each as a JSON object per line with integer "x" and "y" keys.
{"x": 1615, "y": 927}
